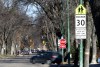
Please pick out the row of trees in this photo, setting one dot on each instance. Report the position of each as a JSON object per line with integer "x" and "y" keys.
{"x": 16, "y": 28}
{"x": 56, "y": 12}
{"x": 50, "y": 24}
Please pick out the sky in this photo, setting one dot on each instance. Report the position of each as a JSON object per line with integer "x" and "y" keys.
{"x": 31, "y": 12}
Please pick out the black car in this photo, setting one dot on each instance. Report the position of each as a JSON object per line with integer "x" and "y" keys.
{"x": 47, "y": 57}
{"x": 25, "y": 52}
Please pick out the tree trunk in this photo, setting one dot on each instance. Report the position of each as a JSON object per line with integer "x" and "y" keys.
{"x": 13, "y": 49}
{"x": 19, "y": 47}
{"x": 94, "y": 49}
{"x": 55, "y": 41}
{"x": 87, "y": 49}
{"x": 88, "y": 42}
{"x": 3, "y": 50}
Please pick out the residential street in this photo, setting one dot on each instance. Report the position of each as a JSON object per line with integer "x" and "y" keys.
{"x": 23, "y": 61}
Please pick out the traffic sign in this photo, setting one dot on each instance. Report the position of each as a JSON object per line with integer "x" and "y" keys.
{"x": 80, "y": 22}
{"x": 62, "y": 41}
{"x": 62, "y": 46}
{"x": 80, "y": 10}
{"x": 44, "y": 43}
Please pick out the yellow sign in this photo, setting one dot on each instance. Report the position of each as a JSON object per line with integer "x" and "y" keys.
{"x": 44, "y": 43}
{"x": 80, "y": 10}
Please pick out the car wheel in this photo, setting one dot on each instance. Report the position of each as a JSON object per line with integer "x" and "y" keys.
{"x": 59, "y": 63}
{"x": 33, "y": 61}
{"x": 48, "y": 61}
{"x": 42, "y": 63}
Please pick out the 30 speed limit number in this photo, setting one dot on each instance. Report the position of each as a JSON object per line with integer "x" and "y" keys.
{"x": 80, "y": 21}
{"x": 80, "y": 26}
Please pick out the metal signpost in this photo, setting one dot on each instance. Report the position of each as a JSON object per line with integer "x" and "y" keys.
{"x": 80, "y": 28}
{"x": 68, "y": 31}
{"x": 62, "y": 46}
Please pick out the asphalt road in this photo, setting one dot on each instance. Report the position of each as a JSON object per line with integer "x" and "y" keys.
{"x": 22, "y": 65}
{"x": 20, "y": 61}
{"x": 23, "y": 61}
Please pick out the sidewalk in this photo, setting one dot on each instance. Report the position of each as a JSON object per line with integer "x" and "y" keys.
{"x": 66, "y": 65}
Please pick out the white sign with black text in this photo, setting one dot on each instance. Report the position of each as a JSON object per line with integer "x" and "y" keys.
{"x": 80, "y": 26}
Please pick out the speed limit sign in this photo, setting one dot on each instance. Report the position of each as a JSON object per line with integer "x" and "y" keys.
{"x": 80, "y": 22}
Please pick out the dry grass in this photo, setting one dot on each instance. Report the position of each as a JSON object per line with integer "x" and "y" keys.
{"x": 6, "y": 56}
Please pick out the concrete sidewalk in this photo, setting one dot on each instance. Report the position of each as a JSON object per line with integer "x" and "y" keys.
{"x": 66, "y": 65}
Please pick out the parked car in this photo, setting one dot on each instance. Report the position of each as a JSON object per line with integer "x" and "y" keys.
{"x": 47, "y": 57}
{"x": 25, "y": 52}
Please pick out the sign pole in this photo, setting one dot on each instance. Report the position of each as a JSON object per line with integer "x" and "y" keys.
{"x": 81, "y": 47}
{"x": 62, "y": 46}
{"x": 62, "y": 55}
{"x": 81, "y": 53}
{"x": 68, "y": 32}
{"x": 80, "y": 28}
{"x": 81, "y": 1}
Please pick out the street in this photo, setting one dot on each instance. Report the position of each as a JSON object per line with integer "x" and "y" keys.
{"x": 22, "y": 65}
{"x": 23, "y": 61}
{"x": 20, "y": 61}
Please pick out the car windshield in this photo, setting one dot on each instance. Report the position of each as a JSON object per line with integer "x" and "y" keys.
{"x": 40, "y": 53}
{"x": 47, "y": 53}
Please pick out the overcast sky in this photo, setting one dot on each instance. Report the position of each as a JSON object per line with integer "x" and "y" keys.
{"x": 31, "y": 10}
